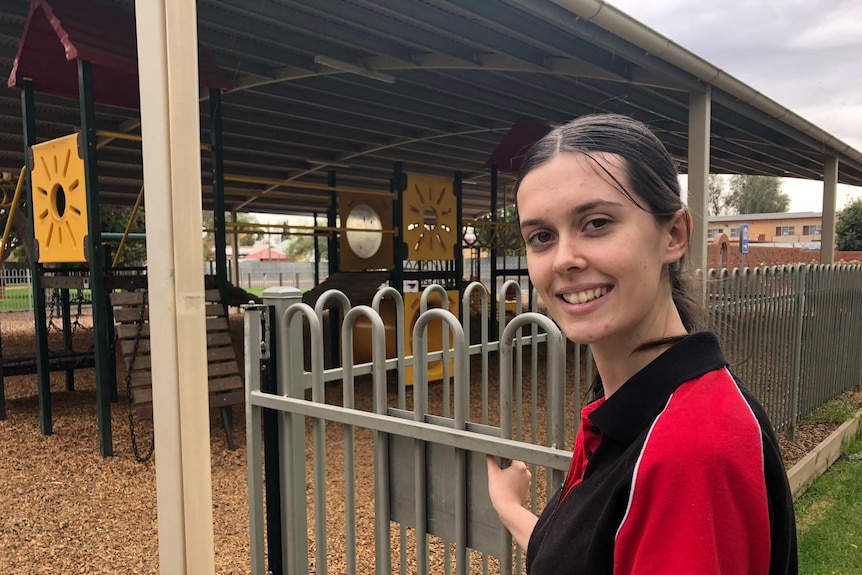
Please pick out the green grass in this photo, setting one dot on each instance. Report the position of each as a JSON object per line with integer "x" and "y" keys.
{"x": 829, "y": 519}
{"x": 15, "y": 298}
{"x": 836, "y": 411}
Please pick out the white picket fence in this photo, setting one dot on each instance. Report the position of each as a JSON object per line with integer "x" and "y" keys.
{"x": 16, "y": 290}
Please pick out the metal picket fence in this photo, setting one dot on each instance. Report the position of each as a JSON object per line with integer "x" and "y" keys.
{"x": 792, "y": 333}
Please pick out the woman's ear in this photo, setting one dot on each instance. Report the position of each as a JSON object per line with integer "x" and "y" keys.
{"x": 678, "y": 232}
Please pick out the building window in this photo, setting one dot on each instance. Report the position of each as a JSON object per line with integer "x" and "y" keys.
{"x": 785, "y": 230}
{"x": 734, "y": 233}
{"x": 814, "y": 230}
{"x": 711, "y": 233}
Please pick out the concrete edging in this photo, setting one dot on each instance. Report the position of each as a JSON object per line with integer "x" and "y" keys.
{"x": 825, "y": 454}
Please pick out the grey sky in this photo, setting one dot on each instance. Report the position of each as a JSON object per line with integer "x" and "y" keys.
{"x": 805, "y": 55}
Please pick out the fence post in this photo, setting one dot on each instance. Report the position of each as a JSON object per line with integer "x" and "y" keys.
{"x": 291, "y": 382}
{"x": 797, "y": 349}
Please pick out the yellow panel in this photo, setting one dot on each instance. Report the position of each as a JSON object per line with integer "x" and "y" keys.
{"x": 374, "y": 250}
{"x": 430, "y": 218}
{"x": 59, "y": 201}
{"x": 434, "y": 333}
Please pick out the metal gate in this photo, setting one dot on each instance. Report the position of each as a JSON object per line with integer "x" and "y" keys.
{"x": 430, "y": 511}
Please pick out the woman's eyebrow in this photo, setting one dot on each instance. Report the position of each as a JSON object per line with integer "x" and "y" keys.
{"x": 576, "y": 211}
{"x": 589, "y": 206}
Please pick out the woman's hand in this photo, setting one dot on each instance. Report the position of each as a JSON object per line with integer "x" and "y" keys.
{"x": 508, "y": 489}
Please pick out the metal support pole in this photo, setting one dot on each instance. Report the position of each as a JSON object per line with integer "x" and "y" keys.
{"x": 217, "y": 156}
{"x": 332, "y": 222}
{"x": 316, "y": 254}
{"x": 67, "y": 335}
{"x": 292, "y": 428}
{"x": 96, "y": 259}
{"x": 830, "y": 191}
{"x": 495, "y": 333}
{"x": 2, "y": 382}
{"x": 398, "y": 185}
{"x": 272, "y": 453}
{"x": 699, "y": 115}
{"x": 458, "y": 186}
{"x": 170, "y": 121}
{"x": 28, "y": 118}
{"x": 235, "y": 251}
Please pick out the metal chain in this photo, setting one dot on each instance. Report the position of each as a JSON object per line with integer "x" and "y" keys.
{"x": 146, "y": 457}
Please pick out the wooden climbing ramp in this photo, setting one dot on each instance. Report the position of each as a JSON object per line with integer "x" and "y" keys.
{"x": 131, "y": 319}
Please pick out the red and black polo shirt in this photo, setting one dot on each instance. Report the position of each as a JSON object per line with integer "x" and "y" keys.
{"x": 678, "y": 472}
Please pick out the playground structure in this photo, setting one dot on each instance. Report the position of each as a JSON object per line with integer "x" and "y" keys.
{"x": 414, "y": 231}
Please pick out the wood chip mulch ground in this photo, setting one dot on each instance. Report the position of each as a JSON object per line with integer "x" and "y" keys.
{"x": 66, "y": 510}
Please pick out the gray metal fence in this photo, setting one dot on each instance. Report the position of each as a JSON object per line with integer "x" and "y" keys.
{"x": 792, "y": 333}
{"x": 382, "y": 481}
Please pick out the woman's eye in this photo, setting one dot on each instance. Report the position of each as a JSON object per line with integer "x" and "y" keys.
{"x": 597, "y": 223}
{"x": 539, "y": 238}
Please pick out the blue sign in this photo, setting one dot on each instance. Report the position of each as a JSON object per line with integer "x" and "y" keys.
{"x": 743, "y": 238}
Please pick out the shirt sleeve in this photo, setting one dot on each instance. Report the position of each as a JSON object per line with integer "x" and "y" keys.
{"x": 698, "y": 501}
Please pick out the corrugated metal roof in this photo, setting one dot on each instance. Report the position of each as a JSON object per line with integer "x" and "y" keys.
{"x": 354, "y": 85}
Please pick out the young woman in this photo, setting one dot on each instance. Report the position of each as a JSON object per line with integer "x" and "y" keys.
{"x": 676, "y": 469}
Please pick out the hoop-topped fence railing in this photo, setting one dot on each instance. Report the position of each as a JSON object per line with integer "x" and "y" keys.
{"x": 388, "y": 482}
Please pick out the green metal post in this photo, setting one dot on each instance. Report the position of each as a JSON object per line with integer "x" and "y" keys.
{"x": 493, "y": 255}
{"x": 96, "y": 259}
{"x": 67, "y": 335}
{"x": 398, "y": 186}
{"x": 43, "y": 375}
{"x": 2, "y": 383}
{"x": 459, "y": 237}
{"x": 331, "y": 221}
{"x": 316, "y": 254}
{"x": 218, "y": 193}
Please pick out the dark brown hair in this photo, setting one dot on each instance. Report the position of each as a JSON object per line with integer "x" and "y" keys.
{"x": 650, "y": 173}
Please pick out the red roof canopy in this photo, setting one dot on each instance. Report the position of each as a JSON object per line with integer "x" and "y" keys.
{"x": 515, "y": 144}
{"x": 60, "y": 32}
{"x": 267, "y": 255}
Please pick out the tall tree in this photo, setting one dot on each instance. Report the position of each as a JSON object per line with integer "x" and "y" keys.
{"x": 757, "y": 195}
{"x": 717, "y": 197}
{"x": 245, "y": 239}
{"x": 848, "y": 228}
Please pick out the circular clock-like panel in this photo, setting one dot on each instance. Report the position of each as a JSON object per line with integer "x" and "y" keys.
{"x": 364, "y": 244}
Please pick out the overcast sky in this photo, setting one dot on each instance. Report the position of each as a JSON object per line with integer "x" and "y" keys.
{"x": 804, "y": 54}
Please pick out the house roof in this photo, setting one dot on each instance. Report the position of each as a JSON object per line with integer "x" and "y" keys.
{"x": 266, "y": 254}
{"x": 770, "y": 216}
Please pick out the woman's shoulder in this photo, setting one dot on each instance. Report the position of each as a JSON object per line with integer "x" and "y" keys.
{"x": 709, "y": 414}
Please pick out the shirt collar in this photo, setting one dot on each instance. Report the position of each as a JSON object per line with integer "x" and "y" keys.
{"x": 629, "y": 411}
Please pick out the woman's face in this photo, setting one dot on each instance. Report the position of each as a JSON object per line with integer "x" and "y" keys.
{"x": 597, "y": 259}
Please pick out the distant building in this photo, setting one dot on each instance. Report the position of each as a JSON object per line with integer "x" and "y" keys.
{"x": 775, "y": 229}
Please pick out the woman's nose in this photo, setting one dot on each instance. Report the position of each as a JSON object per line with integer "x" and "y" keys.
{"x": 568, "y": 256}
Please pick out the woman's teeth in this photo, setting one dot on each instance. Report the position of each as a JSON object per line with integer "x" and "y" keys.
{"x": 585, "y": 296}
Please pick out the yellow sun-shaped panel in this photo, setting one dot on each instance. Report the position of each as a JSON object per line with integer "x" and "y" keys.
{"x": 59, "y": 201}
{"x": 430, "y": 218}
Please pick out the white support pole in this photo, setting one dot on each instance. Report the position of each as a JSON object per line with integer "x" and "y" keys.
{"x": 830, "y": 191}
{"x": 235, "y": 250}
{"x": 699, "y": 117}
{"x": 168, "y": 68}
